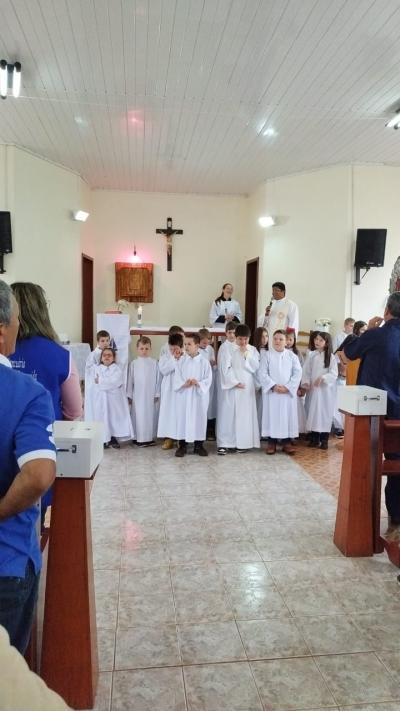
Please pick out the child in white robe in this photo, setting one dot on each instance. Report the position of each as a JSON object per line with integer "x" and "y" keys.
{"x": 320, "y": 372}
{"x": 103, "y": 341}
{"x": 207, "y": 350}
{"x": 192, "y": 382}
{"x": 143, "y": 392}
{"x": 171, "y": 331}
{"x": 167, "y": 415}
{"x": 224, "y": 397}
{"x": 280, "y": 375}
{"x": 291, "y": 345}
{"x": 260, "y": 341}
{"x": 108, "y": 400}
{"x": 237, "y": 423}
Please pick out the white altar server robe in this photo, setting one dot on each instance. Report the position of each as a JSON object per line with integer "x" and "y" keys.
{"x": 92, "y": 360}
{"x": 280, "y": 419}
{"x": 109, "y": 402}
{"x": 222, "y": 308}
{"x": 167, "y": 414}
{"x": 321, "y": 399}
{"x": 237, "y": 422}
{"x": 259, "y": 395}
{"x": 192, "y": 403}
{"x": 209, "y": 353}
{"x": 143, "y": 388}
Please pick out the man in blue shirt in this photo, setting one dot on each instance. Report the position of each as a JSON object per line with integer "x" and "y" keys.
{"x": 379, "y": 350}
{"x": 27, "y": 470}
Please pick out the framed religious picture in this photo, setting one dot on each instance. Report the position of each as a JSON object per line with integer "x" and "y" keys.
{"x": 395, "y": 277}
{"x": 134, "y": 282}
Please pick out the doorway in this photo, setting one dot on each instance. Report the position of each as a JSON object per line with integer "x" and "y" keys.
{"x": 251, "y": 293}
{"x": 87, "y": 300}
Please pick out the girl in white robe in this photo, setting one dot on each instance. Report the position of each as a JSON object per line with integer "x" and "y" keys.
{"x": 207, "y": 351}
{"x": 109, "y": 403}
{"x": 291, "y": 345}
{"x": 237, "y": 422}
{"x": 167, "y": 415}
{"x": 143, "y": 390}
{"x": 224, "y": 308}
{"x": 280, "y": 375}
{"x": 192, "y": 382}
{"x": 319, "y": 380}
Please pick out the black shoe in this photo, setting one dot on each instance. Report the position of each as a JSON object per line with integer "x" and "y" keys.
{"x": 221, "y": 451}
{"x": 232, "y": 450}
{"x": 114, "y": 443}
{"x": 106, "y": 445}
{"x": 201, "y": 451}
{"x": 181, "y": 451}
{"x": 313, "y": 443}
{"x": 339, "y": 434}
{"x": 324, "y": 445}
{"x": 133, "y": 443}
{"x": 242, "y": 451}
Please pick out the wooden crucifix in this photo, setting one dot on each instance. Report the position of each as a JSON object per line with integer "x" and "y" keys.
{"x": 169, "y": 232}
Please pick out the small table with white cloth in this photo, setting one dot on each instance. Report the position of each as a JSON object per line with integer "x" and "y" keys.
{"x": 80, "y": 353}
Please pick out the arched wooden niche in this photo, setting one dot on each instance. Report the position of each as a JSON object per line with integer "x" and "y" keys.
{"x": 134, "y": 282}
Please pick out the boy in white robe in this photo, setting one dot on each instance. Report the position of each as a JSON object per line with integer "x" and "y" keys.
{"x": 108, "y": 400}
{"x": 207, "y": 350}
{"x": 192, "y": 382}
{"x": 320, "y": 372}
{"x": 167, "y": 414}
{"x": 280, "y": 375}
{"x": 143, "y": 392}
{"x": 237, "y": 423}
{"x": 103, "y": 341}
{"x": 224, "y": 397}
{"x": 171, "y": 331}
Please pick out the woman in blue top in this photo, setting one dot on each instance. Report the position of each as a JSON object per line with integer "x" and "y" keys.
{"x": 38, "y": 353}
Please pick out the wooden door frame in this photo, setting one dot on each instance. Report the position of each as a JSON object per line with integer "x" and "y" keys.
{"x": 256, "y": 261}
{"x": 87, "y": 258}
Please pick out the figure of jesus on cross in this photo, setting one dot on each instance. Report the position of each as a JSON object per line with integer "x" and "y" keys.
{"x": 169, "y": 232}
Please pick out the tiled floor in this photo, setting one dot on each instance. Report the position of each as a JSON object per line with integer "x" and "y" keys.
{"x": 218, "y": 588}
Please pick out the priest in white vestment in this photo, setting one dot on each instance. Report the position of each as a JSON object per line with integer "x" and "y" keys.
{"x": 280, "y": 376}
{"x": 280, "y": 314}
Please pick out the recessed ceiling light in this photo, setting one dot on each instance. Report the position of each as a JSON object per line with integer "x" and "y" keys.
{"x": 269, "y": 132}
{"x": 80, "y": 121}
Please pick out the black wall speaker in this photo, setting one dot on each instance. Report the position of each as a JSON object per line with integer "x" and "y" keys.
{"x": 370, "y": 248}
{"x": 5, "y": 233}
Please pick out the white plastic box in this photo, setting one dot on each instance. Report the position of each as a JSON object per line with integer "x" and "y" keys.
{"x": 362, "y": 400}
{"x": 79, "y": 448}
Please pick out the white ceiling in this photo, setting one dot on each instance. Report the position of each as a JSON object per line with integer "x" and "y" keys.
{"x": 174, "y": 95}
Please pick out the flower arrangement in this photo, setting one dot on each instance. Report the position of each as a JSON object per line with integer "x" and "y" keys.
{"x": 323, "y": 323}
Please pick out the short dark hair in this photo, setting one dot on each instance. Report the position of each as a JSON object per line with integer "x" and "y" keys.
{"x": 113, "y": 351}
{"x": 194, "y": 336}
{"x": 175, "y": 339}
{"x": 242, "y": 331}
{"x": 145, "y": 340}
{"x": 102, "y": 334}
{"x": 230, "y": 326}
{"x": 175, "y": 329}
{"x": 358, "y": 325}
{"x": 393, "y": 304}
{"x": 204, "y": 333}
{"x": 279, "y": 285}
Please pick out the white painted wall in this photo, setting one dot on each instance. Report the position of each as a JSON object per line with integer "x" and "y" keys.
{"x": 376, "y": 204}
{"x": 46, "y": 241}
{"x": 309, "y": 248}
{"x": 204, "y": 257}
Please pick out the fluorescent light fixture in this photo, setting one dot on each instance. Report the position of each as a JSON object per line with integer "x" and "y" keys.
{"x": 16, "y": 79}
{"x": 80, "y": 215}
{"x": 3, "y": 78}
{"x": 395, "y": 121}
{"x": 266, "y": 221}
{"x": 269, "y": 132}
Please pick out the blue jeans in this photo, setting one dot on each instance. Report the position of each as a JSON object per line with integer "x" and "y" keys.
{"x": 17, "y": 603}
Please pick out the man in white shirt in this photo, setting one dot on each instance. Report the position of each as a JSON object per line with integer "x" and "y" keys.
{"x": 281, "y": 313}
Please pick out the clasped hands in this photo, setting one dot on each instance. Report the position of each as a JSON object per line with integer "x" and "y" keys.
{"x": 191, "y": 382}
{"x": 281, "y": 389}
